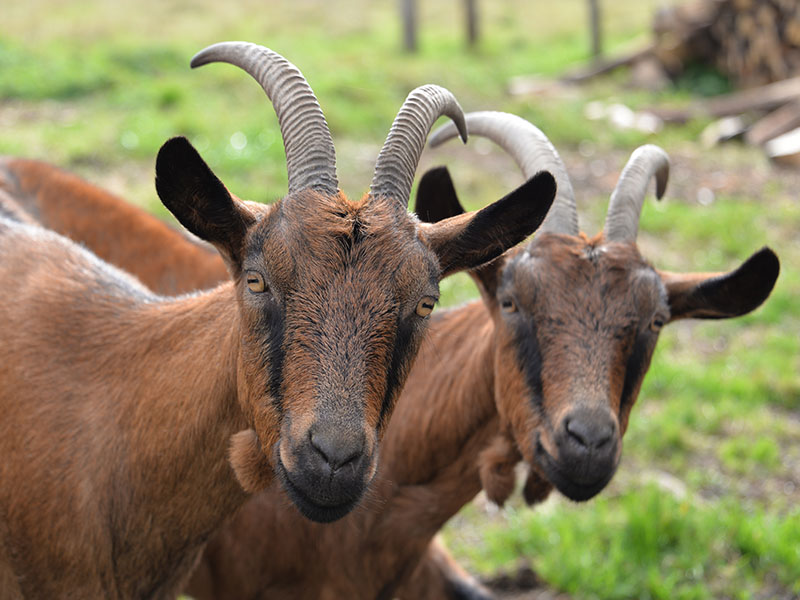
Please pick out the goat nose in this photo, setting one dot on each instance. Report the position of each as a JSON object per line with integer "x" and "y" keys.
{"x": 337, "y": 450}
{"x": 590, "y": 429}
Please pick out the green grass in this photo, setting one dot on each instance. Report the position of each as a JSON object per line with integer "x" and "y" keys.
{"x": 646, "y": 543}
{"x": 97, "y": 87}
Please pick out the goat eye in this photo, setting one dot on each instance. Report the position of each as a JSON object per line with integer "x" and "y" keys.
{"x": 425, "y": 306}
{"x": 255, "y": 282}
{"x": 656, "y": 324}
{"x": 508, "y": 305}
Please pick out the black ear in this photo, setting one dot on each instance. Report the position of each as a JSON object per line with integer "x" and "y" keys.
{"x": 436, "y": 196}
{"x": 471, "y": 239}
{"x": 722, "y": 295}
{"x": 199, "y": 200}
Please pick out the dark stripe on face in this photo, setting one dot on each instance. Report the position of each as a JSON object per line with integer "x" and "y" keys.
{"x": 275, "y": 325}
{"x": 529, "y": 355}
{"x": 398, "y": 369}
{"x": 635, "y": 367}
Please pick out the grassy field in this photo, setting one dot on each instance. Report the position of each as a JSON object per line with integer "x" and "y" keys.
{"x": 705, "y": 504}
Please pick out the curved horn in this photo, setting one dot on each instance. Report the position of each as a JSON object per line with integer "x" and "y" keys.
{"x": 310, "y": 155}
{"x": 397, "y": 161}
{"x": 625, "y": 207}
{"x": 532, "y": 151}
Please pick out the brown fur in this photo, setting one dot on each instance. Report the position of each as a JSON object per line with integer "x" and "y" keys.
{"x": 83, "y": 512}
{"x": 115, "y": 467}
{"x": 162, "y": 258}
{"x": 11, "y": 209}
{"x": 440, "y": 576}
{"x": 496, "y": 465}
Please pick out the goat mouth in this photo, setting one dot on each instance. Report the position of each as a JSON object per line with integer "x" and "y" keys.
{"x": 564, "y": 482}
{"x": 310, "y": 508}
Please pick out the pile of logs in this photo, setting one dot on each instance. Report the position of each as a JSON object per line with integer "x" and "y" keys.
{"x": 752, "y": 42}
{"x": 756, "y": 44}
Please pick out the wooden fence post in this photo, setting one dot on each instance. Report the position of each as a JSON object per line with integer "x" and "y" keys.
{"x": 595, "y": 26}
{"x": 408, "y": 8}
{"x": 471, "y": 8}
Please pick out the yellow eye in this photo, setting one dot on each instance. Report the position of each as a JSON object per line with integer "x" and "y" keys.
{"x": 425, "y": 306}
{"x": 508, "y": 305}
{"x": 656, "y": 324}
{"x": 255, "y": 282}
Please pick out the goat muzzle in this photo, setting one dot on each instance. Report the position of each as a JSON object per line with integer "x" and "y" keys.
{"x": 329, "y": 473}
{"x": 588, "y": 450}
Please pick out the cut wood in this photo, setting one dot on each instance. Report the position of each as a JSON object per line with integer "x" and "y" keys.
{"x": 776, "y": 123}
{"x": 785, "y": 149}
{"x": 604, "y": 66}
{"x": 766, "y": 97}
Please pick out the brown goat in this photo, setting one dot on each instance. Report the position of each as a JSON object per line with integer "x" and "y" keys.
{"x": 122, "y": 409}
{"x": 546, "y": 368}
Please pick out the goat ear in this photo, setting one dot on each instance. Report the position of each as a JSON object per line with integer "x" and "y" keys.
{"x": 200, "y": 201}
{"x": 471, "y": 239}
{"x": 722, "y": 295}
{"x": 436, "y": 196}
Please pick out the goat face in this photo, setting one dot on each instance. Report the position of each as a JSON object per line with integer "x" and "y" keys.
{"x": 576, "y": 325}
{"x": 330, "y": 337}
{"x": 576, "y": 322}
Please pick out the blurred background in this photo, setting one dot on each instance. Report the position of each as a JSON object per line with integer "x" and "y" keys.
{"x": 706, "y": 501}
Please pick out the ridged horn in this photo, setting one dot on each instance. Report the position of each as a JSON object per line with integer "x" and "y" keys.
{"x": 398, "y": 159}
{"x": 310, "y": 155}
{"x": 532, "y": 152}
{"x": 625, "y": 207}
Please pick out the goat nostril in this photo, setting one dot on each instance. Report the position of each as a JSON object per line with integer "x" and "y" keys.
{"x": 604, "y": 439}
{"x": 577, "y": 431}
{"x": 335, "y": 454}
{"x": 588, "y": 433}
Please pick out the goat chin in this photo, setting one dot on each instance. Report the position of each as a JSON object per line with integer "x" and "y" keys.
{"x": 578, "y": 491}
{"x": 311, "y": 508}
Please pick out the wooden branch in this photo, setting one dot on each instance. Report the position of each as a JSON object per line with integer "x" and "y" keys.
{"x": 776, "y": 123}
{"x": 604, "y": 66}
